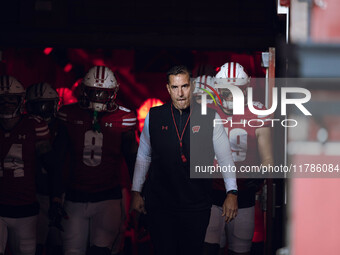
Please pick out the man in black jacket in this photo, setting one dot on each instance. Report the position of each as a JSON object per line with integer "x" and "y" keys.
{"x": 179, "y": 206}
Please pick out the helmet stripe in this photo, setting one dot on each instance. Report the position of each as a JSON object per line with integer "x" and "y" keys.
{"x": 103, "y": 73}
{"x": 97, "y": 74}
{"x": 228, "y": 67}
{"x": 234, "y": 76}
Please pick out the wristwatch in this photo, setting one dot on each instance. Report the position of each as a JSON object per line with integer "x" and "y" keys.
{"x": 233, "y": 191}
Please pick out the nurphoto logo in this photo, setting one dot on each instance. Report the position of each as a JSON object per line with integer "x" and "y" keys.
{"x": 239, "y": 102}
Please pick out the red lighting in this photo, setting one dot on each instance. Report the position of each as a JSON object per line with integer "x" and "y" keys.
{"x": 66, "y": 96}
{"x": 144, "y": 109}
{"x": 48, "y": 50}
{"x": 259, "y": 231}
{"x": 76, "y": 88}
{"x": 68, "y": 68}
{"x": 218, "y": 69}
{"x": 98, "y": 62}
{"x": 76, "y": 84}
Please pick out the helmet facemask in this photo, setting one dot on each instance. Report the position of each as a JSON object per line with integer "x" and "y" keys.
{"x": 12, "y": 95}
{"x": 11, "y": 105}
{"x": 47, "y": 109}
{"x": 227, "y": 98}
{"x": 99, "y": 99}
{"x": 99, "y": 89}
{"x": 42, "y": 100}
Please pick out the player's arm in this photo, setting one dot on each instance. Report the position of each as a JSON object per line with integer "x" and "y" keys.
{"x": 50, "y": 156}
{"x": 224, "y": 158}
{"x": 142, "y": 165}
{"x": 265, "y": 146}
{"x": 64, "y": 149}
{"x": 129, "y": 149}
{"x": 264, "y": 138}
{"x": 49, "y": 161}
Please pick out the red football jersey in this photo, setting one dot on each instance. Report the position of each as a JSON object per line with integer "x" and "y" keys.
{"x": 97, "y": 158}
{"x": 242, "y": 138}
{"x": 18, "y": 155}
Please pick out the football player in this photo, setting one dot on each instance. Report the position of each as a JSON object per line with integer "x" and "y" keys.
{"x": 99, "y": 133}
{"x": 42, "y": 100}
{"x": 22, "y": 138}
{"x": 251, "y": 146}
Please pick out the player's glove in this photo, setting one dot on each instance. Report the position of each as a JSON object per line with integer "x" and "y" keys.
{"x": 56, "y": 213}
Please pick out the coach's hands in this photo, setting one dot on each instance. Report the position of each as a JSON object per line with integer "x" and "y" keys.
{"x": 230, "y": 207}
{"x": 137, "y": 202}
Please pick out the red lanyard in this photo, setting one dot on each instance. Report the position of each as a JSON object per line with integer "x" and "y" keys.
{"x": 180, "y": 137}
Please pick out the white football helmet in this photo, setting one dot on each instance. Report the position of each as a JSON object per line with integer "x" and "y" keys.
{"x": 42, "y": 100}
{"x": 99, "y": 89}
{"x": 12, "y": 95}
{"x": 201, "y": 83}
{"x": 232, "y": 73}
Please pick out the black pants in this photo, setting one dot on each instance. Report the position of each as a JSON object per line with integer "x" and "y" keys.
{"x": 178, "y": 233}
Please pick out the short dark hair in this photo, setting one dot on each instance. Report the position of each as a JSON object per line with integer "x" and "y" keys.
{"x": 181, "y": 69}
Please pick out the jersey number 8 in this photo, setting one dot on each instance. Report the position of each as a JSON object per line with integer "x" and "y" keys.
{"x": 92, "y": 153}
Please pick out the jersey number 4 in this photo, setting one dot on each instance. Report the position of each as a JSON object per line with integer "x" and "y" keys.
{"x": 13, "y": 161}
{"x": 93, "y": 143}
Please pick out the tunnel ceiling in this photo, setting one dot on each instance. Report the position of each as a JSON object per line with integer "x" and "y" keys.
{"x": 198, "y": 24}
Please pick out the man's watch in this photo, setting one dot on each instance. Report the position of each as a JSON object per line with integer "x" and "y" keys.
{"x": 233, "y": 191}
